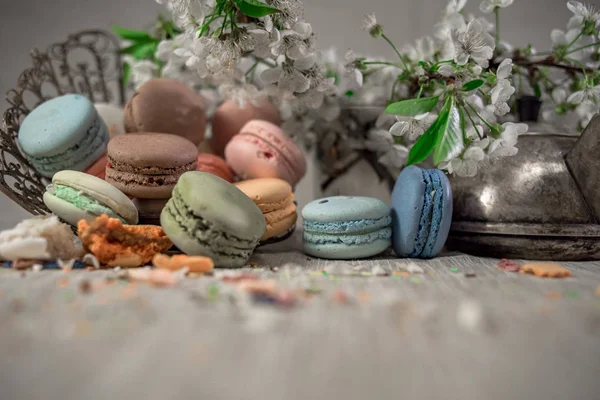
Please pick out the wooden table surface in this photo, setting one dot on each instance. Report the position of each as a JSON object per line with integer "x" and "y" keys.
{"x": 433, "y": 335}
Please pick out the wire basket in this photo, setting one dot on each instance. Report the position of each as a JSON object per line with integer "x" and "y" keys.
{"x": 87, "y": 63}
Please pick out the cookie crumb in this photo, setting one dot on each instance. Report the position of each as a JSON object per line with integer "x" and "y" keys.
{"x": 545, "y": 270}
{"x": 508, "y": 265}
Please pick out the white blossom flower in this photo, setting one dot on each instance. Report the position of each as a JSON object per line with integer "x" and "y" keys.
{"x": 413, "y": 127}
{"x": 287, "y": 78}
{"x": 588, "y": 93}
{"x": 504, "y": 69}
{"x": 446, "y": 70}
{"x": 262, "y": 42}
{"x": 424, "y": 49}
{"x": 294, "y": 42}
{"x": 501, "y": 94}
{"x": 504, "y": 146}
{"x": 379, "y": 140}
{"x": 369, "y": 22}
{"x": 467, "y": 164}
{"x": 196, "y": 54}
{"x": 474, "y": 43}
{"x": 455, "y": 6}
{"x": 353, "y": 74}
{"x": 396, "y": 157}
{"x": 142, "y": 71}
{"x": 583, "y": 15}
{"x": 290, "y": 12}
{"x": 488, "y": 6}
{"x": 239, "y": 92}
{"x": 586, "y": 111}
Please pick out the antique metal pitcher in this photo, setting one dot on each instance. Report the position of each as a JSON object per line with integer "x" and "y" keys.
{"x": 543, "y": 203}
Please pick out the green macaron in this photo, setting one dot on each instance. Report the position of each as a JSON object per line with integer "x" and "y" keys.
{"x": 210, "y": 217}
{"x": 76, "y": 195}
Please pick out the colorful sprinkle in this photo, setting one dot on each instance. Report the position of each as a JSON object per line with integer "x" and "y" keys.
{"x": 454, "y": 269}
{"x": 572, "y": 294}
{"x": 470, "y": 275}
{"x": 508, "y": 265}
{"x": 554, "y": 295}
{"x": 416, "y": 280}
{"x": 598, "y": 290}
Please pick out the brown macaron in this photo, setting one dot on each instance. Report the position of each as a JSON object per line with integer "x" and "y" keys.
{"x": 166, "y": 106}
{"x": 229, "y": 119}
{"x": 148, "y": 165}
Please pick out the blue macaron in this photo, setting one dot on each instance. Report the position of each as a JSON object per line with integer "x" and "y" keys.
{"x": 63, "y": 133}
{"x": 346, "y": 227}
{"x": 421, "y": 212}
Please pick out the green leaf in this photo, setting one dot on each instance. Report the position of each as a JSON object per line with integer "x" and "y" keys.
{"x": 449, "y": 142}
{"x": 255, "y": 8}
{"x": 128, "y": 34}
{"x": 126, "y": 74}
{"x": 424, "y": 146}
{"x": 474, "y": 84}
{"x": 141, "y": 51}
{"x": 413, "y": 107}
{"x": 537, "y": 90}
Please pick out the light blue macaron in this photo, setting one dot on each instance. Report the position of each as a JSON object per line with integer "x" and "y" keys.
{"x": 63, "y": 133}
{"x": 421, "y": 212}
{"x": 346, "y": 227}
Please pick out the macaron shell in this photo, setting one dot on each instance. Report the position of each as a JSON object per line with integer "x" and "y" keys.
{"x": 98, "y": 169}
{"x": 345, "y": 208}
{"x": 65, "y": 210}
{"x": 407, "y": 204}
{"x": 56, "y": 125}
{"x": 113, "y": 118}
{"x": 268, "y": 193}
{"x": 262, "y": 150}
{"x": 216, "y": 166}
{"x": 99, "y": 190}
{"x": 229, "y": 119}
{"x": 280, "y": 221}
{"x": 152, "y": 150}
{"x": 167, "y": 106}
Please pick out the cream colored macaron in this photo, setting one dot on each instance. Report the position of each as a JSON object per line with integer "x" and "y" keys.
{"x": 76, "y": 195}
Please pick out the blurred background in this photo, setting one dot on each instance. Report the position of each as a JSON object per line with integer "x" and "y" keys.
{"x": 27, "y": 24}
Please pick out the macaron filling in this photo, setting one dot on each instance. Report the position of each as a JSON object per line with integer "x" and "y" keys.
{"x": 82, "y": 201}
{"x": 437, "y": 214}
{"x": 94, "y": 139}
{"x": 350, "y": 227}
{"x": 350, "y": 239}
{"x": 204, "y": 232}
{"x": 426, "y": 215}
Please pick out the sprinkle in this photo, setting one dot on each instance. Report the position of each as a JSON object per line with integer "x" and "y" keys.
{"x": 156, "y": 277}
{"x": 117, "y": 269}
{"x": 470, "y": 275}
{"x": 239, "y": 278}
{"x": 365, "y": 273}
{"x": 401, "y": 273}
{"x": 85, "y": 286}
{"x": 553, "y": 295}
{"x": 313, "y": 290}
{"x": 263, "y": 298}
{"x": 69, "y": 296}
{"x": 274, "y": 269}
{"x": 213, "y": 292}
{"x": 363, "y": 297}
{"x": 508, "y": 265}
{"x": 413, "y": 268}
{"x": 340, "y": 297}
{"x": 286, "y": 299}
{"x": 324, "y": 272}
{"x": 572, "y": 294}
{"x": 37, "y": 267}
{"x": 454, "y": 269}
{"x": 64, "y": 282}
{"x": 416, "y": 280}
{"x": 66, "y": 266}
{"x": 396, "y": 277}
{"x": 598, "y": 290}
{"x": 267, "y": 287}
{"x": 308, "y": 259}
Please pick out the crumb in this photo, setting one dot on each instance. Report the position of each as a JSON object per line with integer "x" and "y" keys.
{"x": 64, "y": 282}
{"x": 180, "y": 261}
{"x": 553, "y": 295}
{"x": 598, "y": 290}
{"x": 115, "y": 244}
{"x": 340, "y": 297}
{"x": 470, "y": 275}
{"x": 545, "y": 270}
{"x": 508, "y": 265}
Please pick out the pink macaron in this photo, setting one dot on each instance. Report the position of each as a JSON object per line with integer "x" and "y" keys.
{"x": 263, "y": 150}
{"x": 229, "y": 119}
{"x": 216, "y": 166}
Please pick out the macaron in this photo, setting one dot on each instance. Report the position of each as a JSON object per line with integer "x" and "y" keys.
{"x": 148, "y": 165}
{"x": 149, "y": 210}
{"x": 215, "y": 165}
{"x": 229, "y": 119}
{"x": 63, "y": 133}
{"x": 263, "y": 150}
{"x": 275, "y": 199}
{"x": 98, "y": 169}
{"x": 421, "y": 212}
{"x": 208, "y": 216}
{"x": 166, "y": 106}
{"x": 346, "y": 227}
{"x": 75, "y": 195}
{"x": 113, "y": 117}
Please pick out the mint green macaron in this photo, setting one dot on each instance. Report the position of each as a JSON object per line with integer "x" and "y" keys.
{"x": 208, "y": 216}
{"x": 75, "y": 195}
